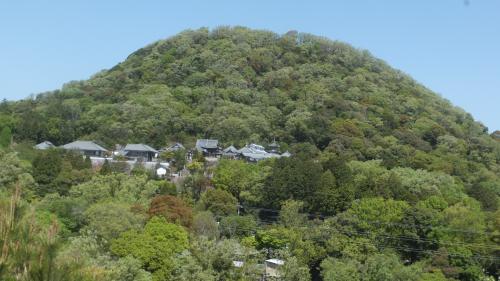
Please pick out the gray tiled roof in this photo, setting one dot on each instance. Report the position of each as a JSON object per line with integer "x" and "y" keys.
{"x": 139, "y": 147}
{"x": 286, "y": 154}
{"x": 252, "y": 148}
{"x": 44, "y": 145}
{"x": 206, "y": 143}
{"x": 83, "y": 145}
{"x": 274, "y": 144}
{"x": 260, "y": 156}
{"x": 256, "y": 152}
{"x": 230, "y": 149}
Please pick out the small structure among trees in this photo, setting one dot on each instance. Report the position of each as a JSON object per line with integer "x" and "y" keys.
{"x": 272, "y": 267}
{"x": 175, "y": 147}
{"x": 44, "y": 145}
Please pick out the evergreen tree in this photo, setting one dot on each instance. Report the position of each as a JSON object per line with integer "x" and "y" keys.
{"x": 105, "y": 168}
{"x": 88, "y": 163}
{"x": 46, "y": 167}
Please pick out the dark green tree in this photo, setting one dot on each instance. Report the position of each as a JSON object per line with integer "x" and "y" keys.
{"x": 105, "y": 168}
{"x": 5, "y": 137}
{"x": 46, "y": 167}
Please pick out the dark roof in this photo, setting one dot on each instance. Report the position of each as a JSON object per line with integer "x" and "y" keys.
{"x": 230, "y": 151}
{"x": 139, "y": 147}
{"x": 84, "y": 145}
{"x": 206, "y": 143}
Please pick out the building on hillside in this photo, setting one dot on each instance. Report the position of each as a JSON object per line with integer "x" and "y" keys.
{"x": 272, "y": 267}
{"x": 175, "y": 147}
{"x": 230, "y": 152}
{"x": 44, "y": 145}
{"x": 254, "y": 153}
{"x": 208, "y": 147}
{"x": 140, "y": 152}
{"x": 88, "y": 148}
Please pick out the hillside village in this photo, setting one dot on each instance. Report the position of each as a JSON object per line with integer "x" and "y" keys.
{"x": 157, "y": 159}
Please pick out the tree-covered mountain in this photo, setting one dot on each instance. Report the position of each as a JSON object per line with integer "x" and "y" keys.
{"x": 388, "y": 181}
{"x": 240, "y": 86}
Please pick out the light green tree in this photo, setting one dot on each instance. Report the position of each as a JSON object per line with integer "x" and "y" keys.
{"x": 155, "y": 246}
{"x": 109, "y": 219}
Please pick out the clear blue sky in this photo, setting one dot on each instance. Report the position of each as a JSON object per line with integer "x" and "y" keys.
{"x": 448, "y": 45}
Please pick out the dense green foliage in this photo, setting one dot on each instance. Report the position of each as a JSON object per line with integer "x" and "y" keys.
{"x": 387, "y": 181}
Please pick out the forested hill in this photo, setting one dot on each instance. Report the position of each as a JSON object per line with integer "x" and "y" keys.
{"x": 238, "y": 85}
{"x": 241, "y": 85}
{"x": 386, "y": 181}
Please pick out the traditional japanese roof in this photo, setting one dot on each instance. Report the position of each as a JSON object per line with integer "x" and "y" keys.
{"x": 245, "y": 149}
{"x": 274, "y": 144}
{"x": 256, "y": 152}
{"x": 139, "y": 147}
{"x": 257, "y": 147}
{"x": 252, "y": 148}
{"x": 286, "y": 154}
{"x": 84, "y": 145}
{"x": 44, "y": 145}
{"x": 230, "y": 149}
{"x": 206, "y": 144}
{"x": 174, "y": 147}
{"x": 260, "y": 156}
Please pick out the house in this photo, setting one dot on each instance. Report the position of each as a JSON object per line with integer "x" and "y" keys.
{"x": 175, "y": 147}
{"x": 140, "y": 152}
{"x": 208, "y": 147}
{"x": 88, "y": 148}
{"x": 272, "y": 267}
{"x": 255, "y": 153}
{"x": 230, "y": 152}
{"x": 44, "y": 145}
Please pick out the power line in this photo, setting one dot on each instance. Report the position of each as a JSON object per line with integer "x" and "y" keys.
{"x": 469, "y": 246}
{"x": 407, "y": 238}
{"x": 324, "y": 217}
